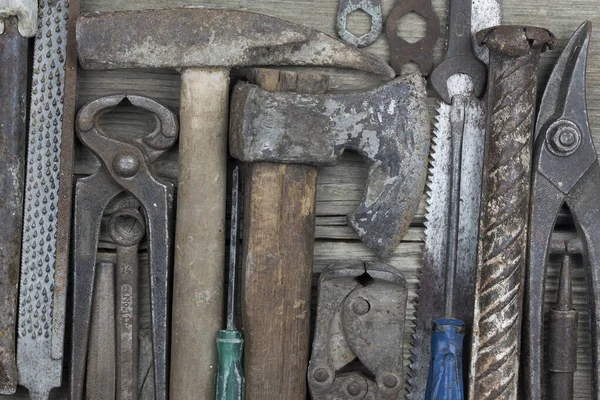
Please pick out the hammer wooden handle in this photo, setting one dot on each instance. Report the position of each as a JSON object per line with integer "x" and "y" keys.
{"x": 200, "y": 233}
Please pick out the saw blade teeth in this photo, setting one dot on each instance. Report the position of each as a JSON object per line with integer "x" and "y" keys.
{"x": 436, "y": 188}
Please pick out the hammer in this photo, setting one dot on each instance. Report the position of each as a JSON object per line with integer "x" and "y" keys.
{"x": 286, "y": 136}
{"x": 204, "y": 44}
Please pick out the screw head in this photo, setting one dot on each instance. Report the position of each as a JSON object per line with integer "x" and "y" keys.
{"x": 353, "y": 388}
{"x": 126, "y": 165}
{"x": 390, "y": 381}
{"x": 361, "y": 307}
{"x": 321, "y": 375}
{"x": 563, "y": 138}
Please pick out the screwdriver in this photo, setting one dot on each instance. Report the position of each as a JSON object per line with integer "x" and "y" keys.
{"x": 230, "y": 381}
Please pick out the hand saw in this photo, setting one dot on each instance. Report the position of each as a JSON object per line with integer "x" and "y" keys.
{"x": 44, "y": 256}
{"x": 454, "y": 188}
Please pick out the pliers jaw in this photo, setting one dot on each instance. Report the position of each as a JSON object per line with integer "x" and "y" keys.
{"x": 563, "y": 146}
{"x": 125, "y": 167}
{"x": 565, "y": 172}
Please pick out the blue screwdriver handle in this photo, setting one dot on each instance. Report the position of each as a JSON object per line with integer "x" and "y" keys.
{"x": 445, "y": 380}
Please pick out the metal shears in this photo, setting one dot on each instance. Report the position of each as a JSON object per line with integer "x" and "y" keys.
{"x": 125, "y": 168}
{"x": 566, "y": 172}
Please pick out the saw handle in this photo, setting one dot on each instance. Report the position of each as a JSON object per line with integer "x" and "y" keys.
{"x": 445, "y": 380}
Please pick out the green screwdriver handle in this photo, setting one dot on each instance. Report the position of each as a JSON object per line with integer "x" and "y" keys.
{"x": 230, "y": 383}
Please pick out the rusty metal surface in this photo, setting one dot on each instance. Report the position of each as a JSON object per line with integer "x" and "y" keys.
{"x": 454, "y": 192}
{"x": 484, "y": 14}
{"x": 421, "y": 52}
{"x": 40, "y": 369}
{"x": 562, "y": 335}
{"x": 389, "y": 126}
{"x": 459, "y": 58}
{"x": 202, "y": 37}
{"x": 566, "y": 172}
{"x": 357, "y": 350}
{"x": 126, "y": 167}
{"x": 372, "y": 8}
{"x": 127, "y": 228}
{"x": 26, "y": 12}
{"x": 512, "y": 87}
{"x": 13, "y": 131}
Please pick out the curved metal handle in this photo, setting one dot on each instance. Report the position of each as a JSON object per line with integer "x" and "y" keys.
{"x": 155, "y": 143}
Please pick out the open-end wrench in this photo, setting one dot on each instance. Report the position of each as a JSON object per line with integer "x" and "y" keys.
{"x": 372, "y": 8}
{"x": 127, "y": 228}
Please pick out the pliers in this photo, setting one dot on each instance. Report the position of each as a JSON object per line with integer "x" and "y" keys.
{"x": 125, "y": 168}
{"x": 565, "y": 172}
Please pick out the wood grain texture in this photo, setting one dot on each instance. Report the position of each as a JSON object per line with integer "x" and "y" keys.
{"x": 277, "y": 267}
{"x": 339, "y": 188}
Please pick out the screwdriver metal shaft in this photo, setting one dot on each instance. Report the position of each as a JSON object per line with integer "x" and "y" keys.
{"x": 230, "y": 381}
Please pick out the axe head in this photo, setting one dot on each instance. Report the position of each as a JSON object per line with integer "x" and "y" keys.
{"x": 209, "y": 37}
{"x": 388, "y": 126}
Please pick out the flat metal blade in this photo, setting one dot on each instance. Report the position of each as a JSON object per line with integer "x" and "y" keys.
{"x": 433, "y": 272}
{"x": 39, "y": 368}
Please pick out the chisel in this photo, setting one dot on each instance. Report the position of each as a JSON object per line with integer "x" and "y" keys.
{"x": 230, "y": 382}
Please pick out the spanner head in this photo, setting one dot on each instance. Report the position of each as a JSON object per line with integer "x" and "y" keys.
{"x": 467, "y": 65}
{"x": 372, "y": 8}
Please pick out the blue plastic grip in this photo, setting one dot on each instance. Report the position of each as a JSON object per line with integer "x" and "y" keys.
{"x": 445, "y": 380}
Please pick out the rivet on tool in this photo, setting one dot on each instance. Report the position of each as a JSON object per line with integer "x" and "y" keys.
{"x": 563, "y": 138}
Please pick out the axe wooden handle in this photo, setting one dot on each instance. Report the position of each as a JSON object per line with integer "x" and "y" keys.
{"x": 200, "y": 233}
{"x": 279, "y": 227}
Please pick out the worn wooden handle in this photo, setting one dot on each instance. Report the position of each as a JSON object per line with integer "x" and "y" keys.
{"x": 279, "y": 230}
{"x": 200, "y": 233}
{"x": 278, "y": 259}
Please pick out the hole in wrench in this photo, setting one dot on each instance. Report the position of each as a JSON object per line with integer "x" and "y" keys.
{"x": 127, "y": 121}
{"x": 358, "y": 23}
{"x": 412, "y": 27}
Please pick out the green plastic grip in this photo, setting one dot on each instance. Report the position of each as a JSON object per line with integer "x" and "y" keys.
{"x": 230, "y": 380}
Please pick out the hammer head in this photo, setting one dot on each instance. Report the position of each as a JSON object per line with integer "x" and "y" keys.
{"x": 389, "y": 126}
{"x": 205, "y": 37}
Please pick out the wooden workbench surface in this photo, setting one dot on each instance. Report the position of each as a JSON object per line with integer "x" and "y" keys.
{"x": 340, "y": 187}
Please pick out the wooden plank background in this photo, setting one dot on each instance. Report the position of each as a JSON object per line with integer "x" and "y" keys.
{"x": 340, "y": 187}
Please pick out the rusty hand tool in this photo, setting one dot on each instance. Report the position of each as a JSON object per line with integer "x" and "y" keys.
{"x": 100, "y": 383}
{"x": 205, "y": 44}
{"x": 562, "y": 321}
{"x": 372, "y": 8}
{"x": 285, "y": 136}
{"x": 420, "y": 52}
{"x": 484, "y": 14}
{"x": 126, "y": 167}
{"x": 357, "y": 350}
{"x": 512, "y": 87}
{"x": 231, "y": 383}
{"x": 565, "y": 172}
{"x": 47, "y": 208}
{"x": 450, "y": 256}
{"x": 127, "y": 228}
{"x": 18, "y": 22}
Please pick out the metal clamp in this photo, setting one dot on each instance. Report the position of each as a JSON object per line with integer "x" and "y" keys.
{"x": 357, "y": 350}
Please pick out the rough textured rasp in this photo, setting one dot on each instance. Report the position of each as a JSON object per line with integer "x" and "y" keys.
{"x": 39, "y": 371}
{"x": 431, "y": 299}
